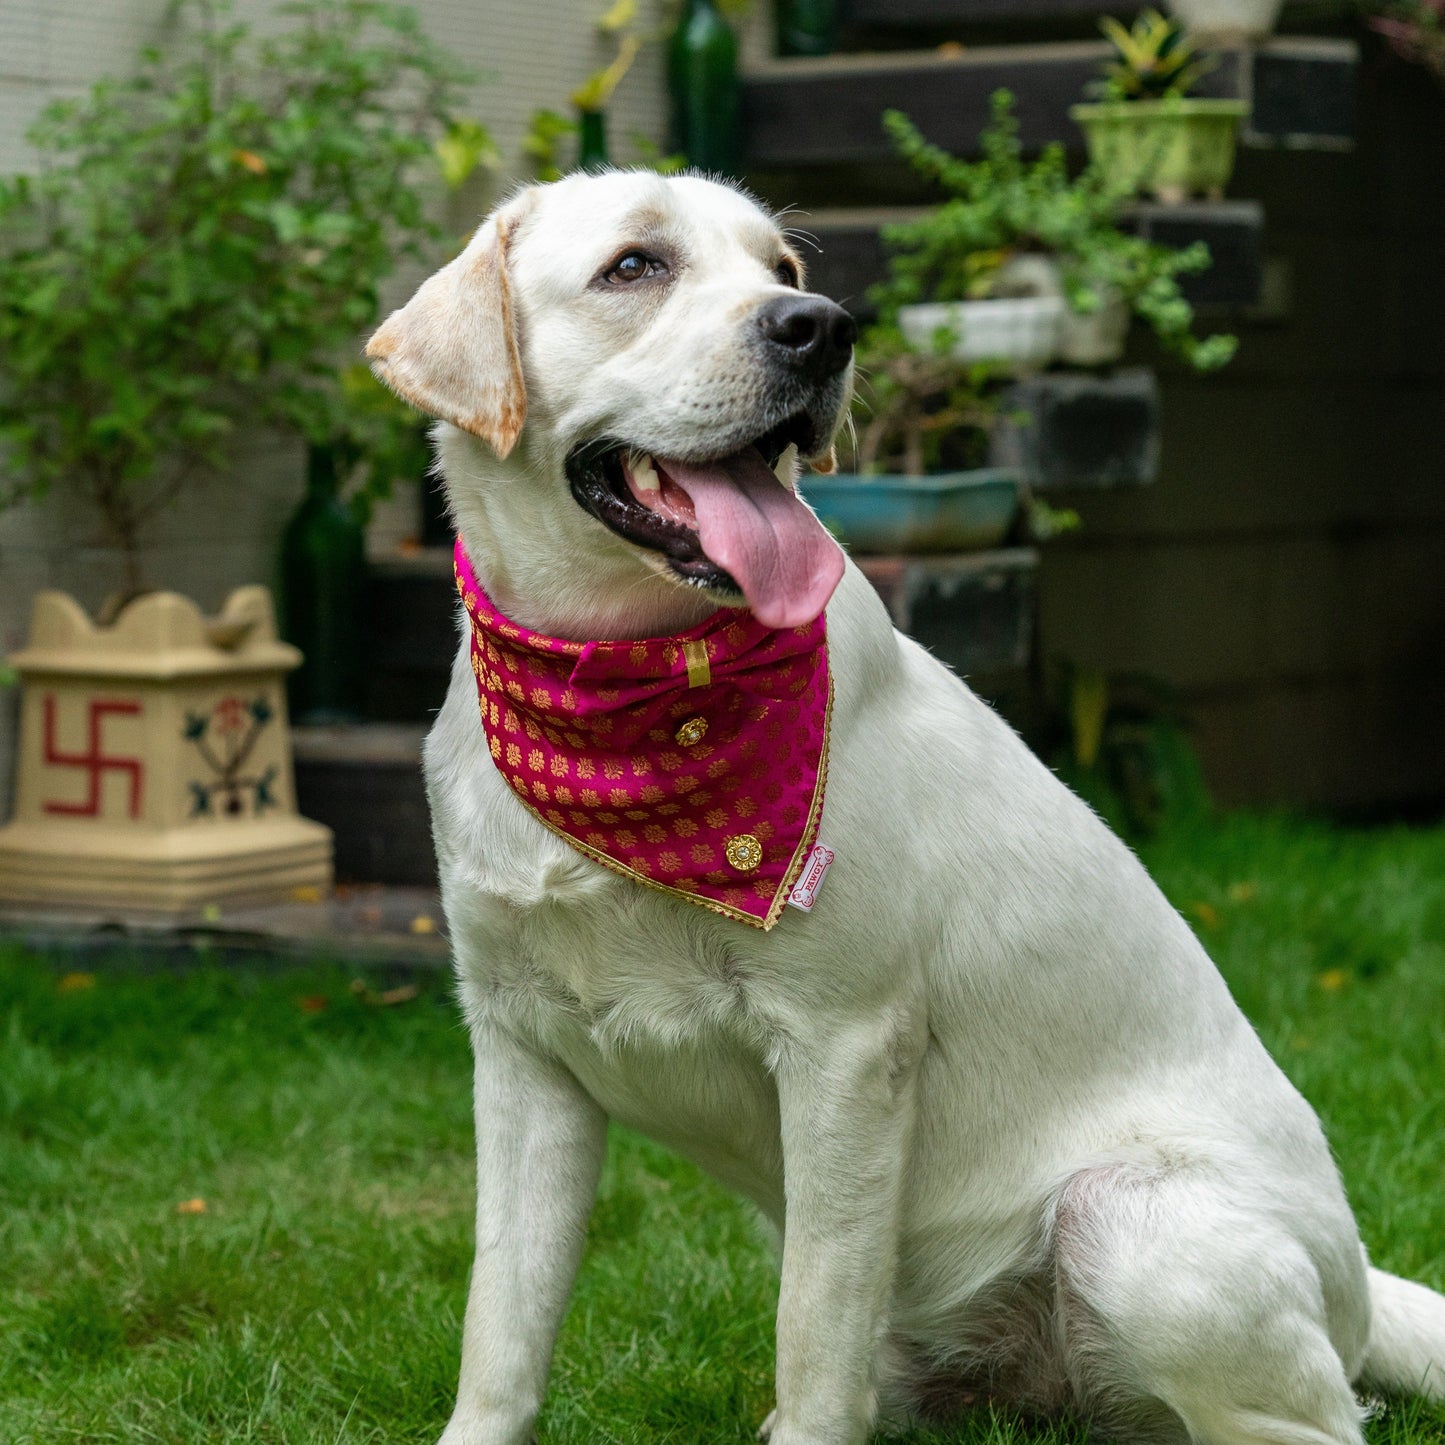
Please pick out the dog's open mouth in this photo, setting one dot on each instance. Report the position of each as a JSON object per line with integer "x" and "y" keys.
{"x": 731, "y": 523}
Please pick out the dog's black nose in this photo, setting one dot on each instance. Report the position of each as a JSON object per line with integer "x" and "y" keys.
{"x": 810, "y": 333}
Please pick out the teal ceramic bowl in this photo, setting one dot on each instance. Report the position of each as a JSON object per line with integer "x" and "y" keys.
{"x": 947, "y": 512}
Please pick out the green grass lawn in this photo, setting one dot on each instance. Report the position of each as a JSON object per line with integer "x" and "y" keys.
{"x": 317, "y": 1297}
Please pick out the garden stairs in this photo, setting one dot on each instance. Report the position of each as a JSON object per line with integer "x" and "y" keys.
{"x": 813, "y": 143}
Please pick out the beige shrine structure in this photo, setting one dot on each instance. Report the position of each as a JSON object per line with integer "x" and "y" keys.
{"x": 154, "y": 767}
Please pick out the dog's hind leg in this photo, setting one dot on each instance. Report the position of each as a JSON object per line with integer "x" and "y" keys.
{"x": 1177, "y": 1308}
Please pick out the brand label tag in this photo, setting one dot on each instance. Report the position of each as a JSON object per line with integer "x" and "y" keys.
{"x": 810, "y": 880}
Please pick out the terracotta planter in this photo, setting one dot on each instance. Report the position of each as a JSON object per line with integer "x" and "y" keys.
{"x": 1169, "y": 148}
{"x": 155, "y": 762}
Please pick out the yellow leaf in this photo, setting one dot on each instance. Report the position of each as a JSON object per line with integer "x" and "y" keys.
{"x": 191, "y": 1206}
{"x": 1088, "y": 707}
{"x": 1242, "y": 892}
{"x": 1206, "y": 913}
{"x": 467, "y": 146}
{"x": 403, "y": 994}
{"x": 1332, "y": 980}
{"x": 305, "y": 893}
{"x": 596, "y": 90}
{"x": 423, "y": 923}
{"x": 252, "y": 162}
{"x": 75, "y": 983}
{"x": 618, "y": 17}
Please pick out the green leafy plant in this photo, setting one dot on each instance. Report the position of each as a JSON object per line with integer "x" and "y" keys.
{"x": 1415, "y": 30}
{"x": 1003, "y": 205}
{"x": 1154, "y": 59}
{"x": 204, "y": 241}
{"x": 917, "y": 411}
{"x": 548, "y": 129}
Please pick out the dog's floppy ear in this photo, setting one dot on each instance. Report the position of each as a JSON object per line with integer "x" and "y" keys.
{"x": 452, "y": 350}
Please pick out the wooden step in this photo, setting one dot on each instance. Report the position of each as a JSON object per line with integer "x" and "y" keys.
{"x": 851, "y": 255}
{"x": 826, "y": 110}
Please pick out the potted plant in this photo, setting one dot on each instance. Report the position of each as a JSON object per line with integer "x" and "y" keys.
{"x": 920, "y": 480}
{"x": 1147, "y": 134}
{"x": 201, "y": 244}
{"x": 1226, "y": 22}
{"x": 1011, "y": 225}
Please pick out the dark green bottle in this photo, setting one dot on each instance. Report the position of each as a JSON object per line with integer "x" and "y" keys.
{"x": 806, "y": 27}
{"x": 592, "y": 140}
{"x": 323, "y": 579}
{"x": 702, "y": 76}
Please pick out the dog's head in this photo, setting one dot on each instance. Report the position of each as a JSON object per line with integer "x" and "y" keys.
{"x": 642, "y": 349}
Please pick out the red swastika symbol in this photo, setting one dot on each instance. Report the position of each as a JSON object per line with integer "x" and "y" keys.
{"x": 94, "y": 761}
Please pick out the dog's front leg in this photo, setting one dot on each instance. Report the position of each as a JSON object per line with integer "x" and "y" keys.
{"x": 846, "y": 1107}
{"x": 540, "y": 1142}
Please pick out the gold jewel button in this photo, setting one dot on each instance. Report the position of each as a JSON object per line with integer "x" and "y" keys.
{"x": 691, "y": 732}
{"x": 744, "y": 852}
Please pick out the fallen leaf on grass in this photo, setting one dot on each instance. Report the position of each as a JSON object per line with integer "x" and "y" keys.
{"x": 191, "y": 1206}
{"x": 75, "y": 982}
{"x": 1242, "y": 892}
{"x": 313, "y": 1003}
{"x": 1206, "y": 913}
{"x": 1332, "y": 980}
{"x": 385, "y": 998}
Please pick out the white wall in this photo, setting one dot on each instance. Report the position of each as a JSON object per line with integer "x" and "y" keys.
{"x": 529, "y": 53}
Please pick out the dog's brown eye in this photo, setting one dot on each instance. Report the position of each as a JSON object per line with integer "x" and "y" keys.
{"x": 634, "y": 266}
{"x": 787, "y": 273}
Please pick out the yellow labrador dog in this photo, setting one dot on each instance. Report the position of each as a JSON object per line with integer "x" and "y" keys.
{"x": 1015, "y": 1137}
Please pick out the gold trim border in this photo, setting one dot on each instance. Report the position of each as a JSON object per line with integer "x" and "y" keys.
{"x": 790, "y": 874}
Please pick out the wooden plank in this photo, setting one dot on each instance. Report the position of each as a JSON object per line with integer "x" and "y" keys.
{"x": 827, "y": 110}
{"x": 900, "y": 13}
{"x": 813, "y": 111}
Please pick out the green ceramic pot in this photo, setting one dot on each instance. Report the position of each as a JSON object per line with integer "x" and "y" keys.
{"x": 1172, "y": 149}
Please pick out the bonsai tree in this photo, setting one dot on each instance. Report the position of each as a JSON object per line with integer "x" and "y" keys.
{"x": 1002, "y": 205}
{"x": 918, "y": 411}
{"x": 204, "y": 241}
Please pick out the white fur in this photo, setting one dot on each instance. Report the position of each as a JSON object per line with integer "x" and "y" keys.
{"x": 1015, "y": 1135}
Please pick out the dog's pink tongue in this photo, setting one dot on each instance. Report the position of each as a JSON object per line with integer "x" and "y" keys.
{"x": 760, "y": 533}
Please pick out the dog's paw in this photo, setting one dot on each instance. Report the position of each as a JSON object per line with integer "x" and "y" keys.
{"x": 765, "y": 1430}
{"x": 481, "y": 1432}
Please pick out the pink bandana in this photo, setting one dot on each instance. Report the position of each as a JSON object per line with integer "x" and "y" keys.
{"x": 694, "y": 764}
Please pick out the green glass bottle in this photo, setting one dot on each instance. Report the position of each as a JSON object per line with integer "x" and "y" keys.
{"x": 702, "y": 75}
{"x": 592, "y": 140}
{"x": 323, "y": 579}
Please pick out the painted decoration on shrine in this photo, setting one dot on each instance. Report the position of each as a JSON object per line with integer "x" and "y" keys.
{"x": 226, "y": 737}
